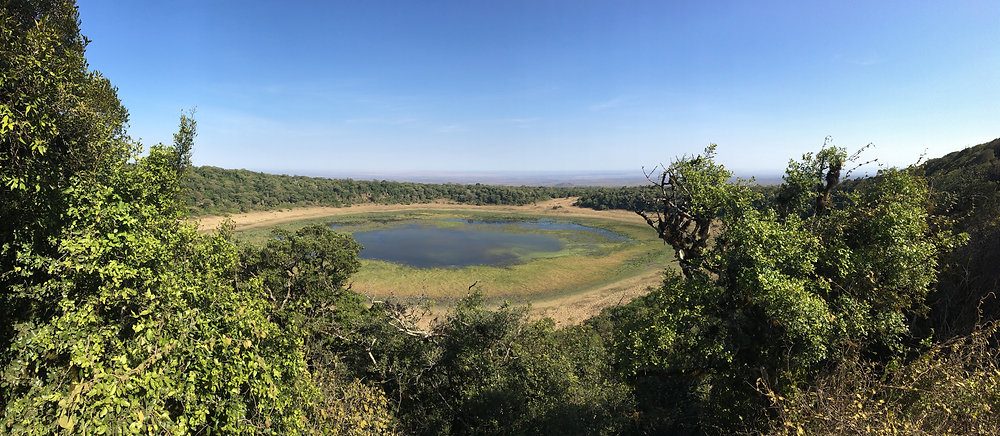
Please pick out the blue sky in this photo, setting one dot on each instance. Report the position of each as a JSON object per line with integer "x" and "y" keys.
{"x": 535, "y": 85}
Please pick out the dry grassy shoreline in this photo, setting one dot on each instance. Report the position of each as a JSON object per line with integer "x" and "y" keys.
{"x": 555, "y": 207}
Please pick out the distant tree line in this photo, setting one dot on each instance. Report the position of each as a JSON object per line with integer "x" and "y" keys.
{"x": 213, "y": 190}
{"x": 626, "y": 198}
{"x": 644, "y": 198}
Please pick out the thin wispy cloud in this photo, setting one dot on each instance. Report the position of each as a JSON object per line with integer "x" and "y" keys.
{"x": 401, "y": 121}
{"x": 861, "y": 61}
{"x": 451, "y": 128}
{"x": 519, "y": 122}
{"x": 607, "y": 104}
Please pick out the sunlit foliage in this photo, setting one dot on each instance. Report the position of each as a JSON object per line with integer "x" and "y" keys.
{"x": 776, "y": 295}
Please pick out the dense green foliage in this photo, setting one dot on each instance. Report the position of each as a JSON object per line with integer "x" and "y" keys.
{"x": 214, "y": 190}
{"x": 117, "y": 315}
{"x": 58, "y": 123}
{"x": 625, "y": 198}
{"x": 485, "y": 371}
{"x": 643, "y": 198}
{"x": 304, "y": 276}
{"x": 966, "y": 185}
{"x": 812, "y": 309}
{"x": 776, "y": 296}
{"x": 138, "y": 323}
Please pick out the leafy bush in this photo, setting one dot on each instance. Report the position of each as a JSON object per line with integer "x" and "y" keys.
{"x": 117, "y": 316}
{"x": 484, "y": 371}
{"x": 777, "y": 296}
{"x": 966, "y": 188}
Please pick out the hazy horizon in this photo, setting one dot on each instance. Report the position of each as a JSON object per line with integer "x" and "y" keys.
{"x": 510, "y": 178}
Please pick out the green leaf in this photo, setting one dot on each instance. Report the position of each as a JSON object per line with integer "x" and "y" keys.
{"x": 66, "y": 422}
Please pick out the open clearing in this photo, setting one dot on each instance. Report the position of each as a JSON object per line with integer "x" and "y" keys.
{"x": 569, "y": 286}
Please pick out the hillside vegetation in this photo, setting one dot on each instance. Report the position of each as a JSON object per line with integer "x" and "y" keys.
{"x": 815, "y": 310}
{"x": 966, "y": 188}
{"x": 969, "y": 183}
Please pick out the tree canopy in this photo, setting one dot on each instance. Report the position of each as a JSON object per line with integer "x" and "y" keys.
{"x": 771, "y": 295}
{"x": 118, "y": 316}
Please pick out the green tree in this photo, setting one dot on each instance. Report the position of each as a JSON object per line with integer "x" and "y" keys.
{"x": 304, "y": 276}
{"x": 490, "y": 371}
{"x": 769, "y": 297}
{"x": 691, "y": 196}
{"x": 117, "y": 315}
{"x": 184, "y": 141}
{"x": 143, "y": 327}
{"x": 60, "y": 124}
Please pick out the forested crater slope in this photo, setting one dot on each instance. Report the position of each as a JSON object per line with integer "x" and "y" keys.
{"x": 213, "y": 190}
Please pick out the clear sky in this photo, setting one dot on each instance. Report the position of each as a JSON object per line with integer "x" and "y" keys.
{"x": 574, "y": 85}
